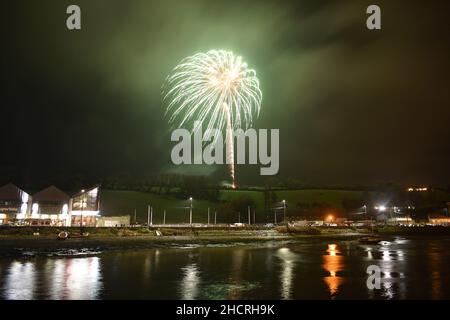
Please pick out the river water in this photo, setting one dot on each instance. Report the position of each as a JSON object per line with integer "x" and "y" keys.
{"x": 411, "y": 268}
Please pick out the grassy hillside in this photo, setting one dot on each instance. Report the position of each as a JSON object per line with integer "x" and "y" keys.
{"x": 125, "y": 202}
{"x": 115, "y": 202}
{"x": 332, "y": 197}
{"x": 256, "y": 196}
{"x": 300, "y": 203}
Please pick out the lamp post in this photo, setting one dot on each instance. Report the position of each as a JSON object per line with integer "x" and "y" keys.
{"x": 81, "y": 218}
{"x": 82, "y": 204}
{"x": 284, "y": 211}
{"x": 190, "y": 210}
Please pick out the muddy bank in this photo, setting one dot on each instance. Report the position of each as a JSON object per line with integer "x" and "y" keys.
{"x": 50, "y": 246}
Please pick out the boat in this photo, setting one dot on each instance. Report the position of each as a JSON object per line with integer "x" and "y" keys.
{"x": 63, "y": 235}
{"x": 370, "y": 240}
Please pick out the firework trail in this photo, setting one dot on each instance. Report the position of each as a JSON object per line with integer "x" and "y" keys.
{"x": 216, "y": 88}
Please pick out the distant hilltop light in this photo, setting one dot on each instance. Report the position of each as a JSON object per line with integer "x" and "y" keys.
{"x": 417, "y": 189}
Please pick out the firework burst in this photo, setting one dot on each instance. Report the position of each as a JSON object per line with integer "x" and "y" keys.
{"x": 216, "y": 88}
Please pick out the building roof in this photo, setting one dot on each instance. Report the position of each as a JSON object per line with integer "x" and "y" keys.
{"x": 11, "y": 192}
{"x": 437, "y": 216}
{"x": 85, "y": 191}
{"x": 51, "y": 194}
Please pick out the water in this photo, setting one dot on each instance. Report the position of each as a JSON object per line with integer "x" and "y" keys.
{"x": 412, "y": 268}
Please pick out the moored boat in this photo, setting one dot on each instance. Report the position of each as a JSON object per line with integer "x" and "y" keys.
{"x": 370, "y": 240}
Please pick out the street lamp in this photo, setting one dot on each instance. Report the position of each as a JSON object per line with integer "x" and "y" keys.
{"x": 190, "y": 210}
{"x": 284, "y": 210}
{"x": 330, "y": 218}
{"x": 82, "y": 203}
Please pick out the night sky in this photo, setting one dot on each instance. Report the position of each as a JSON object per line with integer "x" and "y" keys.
{"x": 353, "y": 106}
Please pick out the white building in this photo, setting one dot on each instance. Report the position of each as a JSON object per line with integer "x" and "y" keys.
{"x": 50, "y": 208}
{"x": 15, "y": 204}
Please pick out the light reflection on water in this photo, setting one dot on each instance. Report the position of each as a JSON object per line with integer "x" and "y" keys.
{"x": 235, "y": 279}
{"x": 20, "y": 281}
{"x": 288, "y": 259}
{"x": 393, "y": 267}
{"x": 333, "y": 262}
{"x": 416, "y": 268}
{"x": 190, "y": 282}
{"x": 435, "y": 263}
{"x": 75, "y": 279}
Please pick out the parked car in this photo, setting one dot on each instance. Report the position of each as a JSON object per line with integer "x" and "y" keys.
{"x": 199, "y": 225}
{"x": 237, "y": 225}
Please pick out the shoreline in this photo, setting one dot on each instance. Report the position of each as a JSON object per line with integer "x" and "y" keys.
{"x": 27, "y": 247}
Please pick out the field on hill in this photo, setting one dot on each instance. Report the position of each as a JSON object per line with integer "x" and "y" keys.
{"x": 333, "y": 198}
{"x": 115, "y": 202}
{"x": 256, "y": 196}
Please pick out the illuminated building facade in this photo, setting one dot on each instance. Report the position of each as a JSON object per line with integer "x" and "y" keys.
{"x": 15, "y": 204}
{"x": 438, "y": 219}
{"x": 85, "y": 207}
{"x": 50, "y": 208}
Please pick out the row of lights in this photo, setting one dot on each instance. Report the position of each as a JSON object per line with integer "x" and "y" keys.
{"x": 419, "y": 189}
